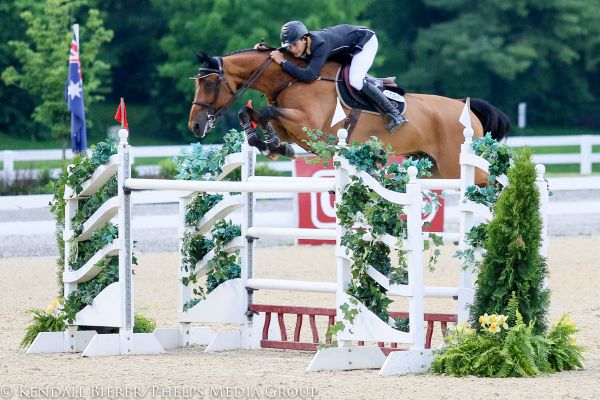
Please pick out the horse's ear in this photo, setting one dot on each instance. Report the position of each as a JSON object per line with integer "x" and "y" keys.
{"x": 202, "y": 57}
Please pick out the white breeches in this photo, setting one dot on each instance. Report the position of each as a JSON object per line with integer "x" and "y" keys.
{"x": 361, "y": 62}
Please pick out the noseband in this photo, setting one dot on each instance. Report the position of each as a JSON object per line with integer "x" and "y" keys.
{"x": 213, "y": 113}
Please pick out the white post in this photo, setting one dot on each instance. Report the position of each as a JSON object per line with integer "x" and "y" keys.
{"x": 125, "y": 248}
{"x": 522, "y": 113}
{"x": 8, "y": 157}
{"x": 467, "y": 178}
{"x": 71, "y": 204}
{"x": 414, "y": 222}
{"x": 247, "y": 252}
{"x": 542, "y": 185}
{"x": 185, "y": 292}
{"x": 343, "y": 266}
{"x": 585, "y": 166}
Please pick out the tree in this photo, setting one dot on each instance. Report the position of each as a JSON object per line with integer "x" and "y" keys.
{"x": 397, "y": 23}
{"x": 43, "y": 59}
{"x": 508, "y": 52}
{"x": 16, "y": 105}
{"x": 512, "y": 262}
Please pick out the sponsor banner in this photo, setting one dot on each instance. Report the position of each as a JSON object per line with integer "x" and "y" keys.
{"x": 316, "y": 210}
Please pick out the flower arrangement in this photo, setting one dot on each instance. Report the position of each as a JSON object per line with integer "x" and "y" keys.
{"x": 50, "y": 319}
{"x": 499, "y": 350}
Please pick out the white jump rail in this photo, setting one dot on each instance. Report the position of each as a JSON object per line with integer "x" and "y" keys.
{"x": 585, "y": 157}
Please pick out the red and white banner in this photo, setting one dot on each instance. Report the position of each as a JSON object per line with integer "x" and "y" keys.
{"x": 316, "y": 210}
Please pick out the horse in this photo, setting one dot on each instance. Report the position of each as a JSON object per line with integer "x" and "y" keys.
{"x": 433, "y": 130}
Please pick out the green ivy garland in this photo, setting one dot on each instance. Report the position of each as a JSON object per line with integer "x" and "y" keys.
{"x": 201, "y": 204}
{"x": 82, "y": 251}
{"x": 87, "y": 291}
{"x": 205, "y": 164}
{"x": 362, "y": 211}
{"x": 499, "y": 157}
{"x": 223, "y": 266}
{"x": 82, "y": 169}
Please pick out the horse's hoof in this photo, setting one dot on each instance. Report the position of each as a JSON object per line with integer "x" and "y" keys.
{"x": 289, "y": 151}
{"x": 273, "y": 156}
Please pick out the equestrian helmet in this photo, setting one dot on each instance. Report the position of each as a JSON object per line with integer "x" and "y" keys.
{"x": 291, "y": 32}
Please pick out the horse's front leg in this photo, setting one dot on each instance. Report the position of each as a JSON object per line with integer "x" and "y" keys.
{"x": 274, "y": 144}
{"x": 248, "y": 118}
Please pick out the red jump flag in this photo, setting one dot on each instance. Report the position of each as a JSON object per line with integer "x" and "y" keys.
{"x": 121, "y": 115}
{"x": 249, "y": 105}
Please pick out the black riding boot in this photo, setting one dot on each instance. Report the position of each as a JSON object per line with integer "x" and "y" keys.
{"x": 396, "y": 120}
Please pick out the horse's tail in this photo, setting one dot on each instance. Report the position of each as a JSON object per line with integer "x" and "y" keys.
{"x": 493, "y": 119}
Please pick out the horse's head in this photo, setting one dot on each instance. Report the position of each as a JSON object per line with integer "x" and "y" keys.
{"x": 209, "y": 99}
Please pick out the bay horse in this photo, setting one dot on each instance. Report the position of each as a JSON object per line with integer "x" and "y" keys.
{"x": 433, "y": 129}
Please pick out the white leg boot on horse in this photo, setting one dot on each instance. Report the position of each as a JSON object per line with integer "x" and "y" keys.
{"x": 271, "y": 147}
{"x": 249, "y": 124}
{"x": 274, "y": 144}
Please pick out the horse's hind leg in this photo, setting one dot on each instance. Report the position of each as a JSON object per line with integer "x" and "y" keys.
{"x": 274, "y": 145}
{"x": 248, "y": 117}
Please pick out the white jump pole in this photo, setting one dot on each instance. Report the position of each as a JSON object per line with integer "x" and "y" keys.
{"x": 227, "y": 186}
{"x": 247, "y": 252}
{"x": 466, "y": 290}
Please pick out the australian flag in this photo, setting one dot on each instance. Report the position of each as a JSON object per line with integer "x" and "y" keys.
{"x": 74, "y": 96}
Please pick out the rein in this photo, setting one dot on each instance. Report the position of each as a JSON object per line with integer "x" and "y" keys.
{"x": 213, "y": 113}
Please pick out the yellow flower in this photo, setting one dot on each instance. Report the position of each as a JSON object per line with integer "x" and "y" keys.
{"x": 494, "y": 328}
{"x": 54, "y": 303}
{"x": 493, "y": 319}
{"x": 567, "y": 320}
{"x": 50, "y": 309}
{"x": 464, "y": 328}
{"x": 484, "y": 319}
{"x": 573, "y": 340}
{"x": 502, "y": 321}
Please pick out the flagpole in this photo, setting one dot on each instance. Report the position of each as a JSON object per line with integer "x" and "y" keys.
{"x": 122, "y": 108}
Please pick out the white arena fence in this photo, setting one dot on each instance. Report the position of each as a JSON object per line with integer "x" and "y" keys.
{"x": 232, "y": 302}
{"x": 585, "y": 157}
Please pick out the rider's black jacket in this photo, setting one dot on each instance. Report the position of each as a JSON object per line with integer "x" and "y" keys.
{"x": 338, "y": 43}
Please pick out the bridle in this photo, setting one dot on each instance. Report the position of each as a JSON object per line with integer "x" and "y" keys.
{"x": 213, "y": 113}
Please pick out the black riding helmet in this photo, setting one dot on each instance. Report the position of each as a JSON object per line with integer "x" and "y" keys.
{"x": 291, "y": 32}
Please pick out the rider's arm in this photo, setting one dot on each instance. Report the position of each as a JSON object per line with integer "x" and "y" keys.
{"x": 312, "y": 70}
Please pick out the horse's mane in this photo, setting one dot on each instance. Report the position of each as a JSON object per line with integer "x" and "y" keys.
{"x": 259, "y": 47}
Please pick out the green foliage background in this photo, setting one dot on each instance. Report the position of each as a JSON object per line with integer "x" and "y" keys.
{"x": 543, "y": 53}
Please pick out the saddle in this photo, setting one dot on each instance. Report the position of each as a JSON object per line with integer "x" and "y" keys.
{"x": 351, "y": 98}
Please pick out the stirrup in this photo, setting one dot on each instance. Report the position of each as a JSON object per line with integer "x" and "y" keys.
{"x": 393, "y": 124}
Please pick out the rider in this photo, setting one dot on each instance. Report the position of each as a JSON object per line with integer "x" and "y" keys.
{"x": 316, "y": 47}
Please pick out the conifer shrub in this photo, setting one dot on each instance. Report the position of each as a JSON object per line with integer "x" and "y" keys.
{"x": 512, "y": 263}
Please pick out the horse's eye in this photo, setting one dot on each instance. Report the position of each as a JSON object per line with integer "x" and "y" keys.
{"x": 209, "y": 84}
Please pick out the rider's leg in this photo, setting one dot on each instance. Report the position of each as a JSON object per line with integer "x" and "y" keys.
{"x": 361, "y": 62}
